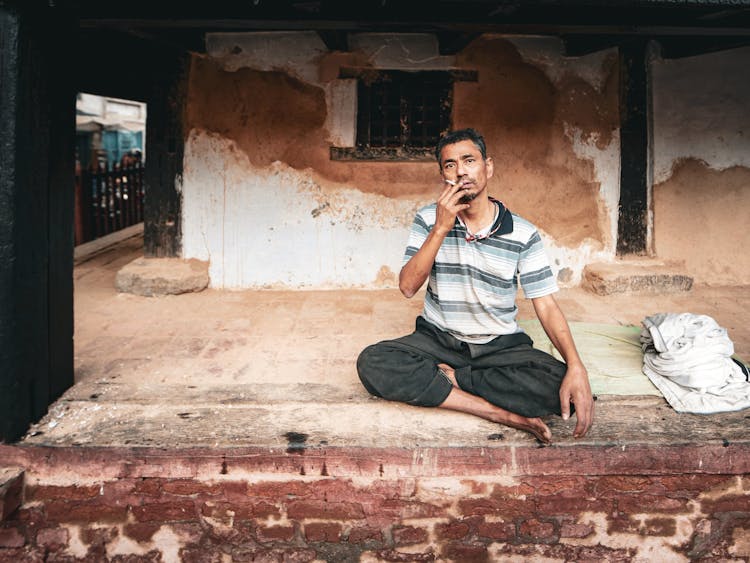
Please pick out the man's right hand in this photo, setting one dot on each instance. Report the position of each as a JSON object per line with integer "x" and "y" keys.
{"x": 417, "y": 269}
{"x": 448, "y": 206}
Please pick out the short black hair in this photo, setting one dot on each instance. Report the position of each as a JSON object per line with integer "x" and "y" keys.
{"x": 452, "y": 137}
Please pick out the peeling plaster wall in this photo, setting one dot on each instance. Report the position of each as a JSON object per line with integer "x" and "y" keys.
{"x": 701, "y": 193}
{"x": 265, "y": 204}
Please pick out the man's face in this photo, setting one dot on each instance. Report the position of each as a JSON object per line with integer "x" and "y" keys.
{"x": 462, "y": 163}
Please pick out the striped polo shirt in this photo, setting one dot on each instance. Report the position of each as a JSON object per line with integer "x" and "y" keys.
{"x": 473, "y": 284}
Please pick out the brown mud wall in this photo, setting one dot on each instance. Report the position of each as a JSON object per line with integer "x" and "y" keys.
{"x": 701, "y": 218}
{"x": 272, "y": 116}
{"x": 523, "y": 115}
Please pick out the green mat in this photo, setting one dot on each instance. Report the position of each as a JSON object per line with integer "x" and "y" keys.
{"x": 611, "y": 353}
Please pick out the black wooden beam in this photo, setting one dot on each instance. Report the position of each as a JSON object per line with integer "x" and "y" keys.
{"x": 335, "y": 40}
{"x": 451, "y": 43}
{"x": 680, "y": 47}
{"x": 632, "y": 226}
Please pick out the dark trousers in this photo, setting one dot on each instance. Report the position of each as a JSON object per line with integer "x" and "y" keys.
{"x": 507, "y": 371}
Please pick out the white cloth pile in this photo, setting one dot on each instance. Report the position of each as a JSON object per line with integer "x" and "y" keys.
{"x": 689, "y": 359}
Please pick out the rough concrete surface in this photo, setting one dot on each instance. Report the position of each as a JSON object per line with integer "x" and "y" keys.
{"x": 251, "y": 368}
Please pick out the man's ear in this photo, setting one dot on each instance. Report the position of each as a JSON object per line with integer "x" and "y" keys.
{"x": 490, "y": 167}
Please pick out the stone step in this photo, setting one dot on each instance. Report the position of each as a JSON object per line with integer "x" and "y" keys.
{"x": 162, "y": 276}
{"x": 636, "y": 276}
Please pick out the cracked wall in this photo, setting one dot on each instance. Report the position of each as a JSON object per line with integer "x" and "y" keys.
{"x": 702, "y": 164}
{"x": 265, "y": 204}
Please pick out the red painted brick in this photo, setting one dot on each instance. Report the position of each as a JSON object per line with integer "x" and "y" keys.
{"x": 266, "y": 510}
{"x": 52, "y": 492}
{"x": 280, "y": 489}
{"x": 408, "y": 535}
{"x": 640, "y": 504}
{"x": 189, "y": 487}
{"x": 513, "y": 491}
{"x": 10, "y": 537}
{"x": 614, "y": 485}
{"x": 226, "y": 512}
{"x": 323, "y": 531}
{"x": 545, "y": 486}
{"x": 275, "y": 533}
{"x": 98, "y": 537}
{"x": 497, "y": 530}
{"x": 454, "y": 530}
{"x": 150, "y": 487}
{"x": 507, "y": 508}
{"x": 165, "y": 511}
{"x": 558, "y": 505}
{"x": 362, "y": 534}
{"x": 623, "y": 525}
{"x": 537, "y": 531}
{"x": 729, "y": 503}
{"x": 695, "y": 483}
{"x": 410, "y": 509}
{"x": 11, "y": 491}
{"x": 201, "y": 555}
{"x": 141, "y": 531}
{"x": 75, "y": 511}
{"x": 465, "y": 552}
{"x": 52, "y": 538}
{"x": 326, "y": 510}
{"x": 666, "y": 527}
{"x": 574, "y": 530}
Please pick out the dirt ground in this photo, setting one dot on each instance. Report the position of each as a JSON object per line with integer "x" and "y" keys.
{"x": 250, "y": 367}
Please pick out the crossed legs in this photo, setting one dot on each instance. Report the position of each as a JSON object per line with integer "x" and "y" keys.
{"x": 506, "y": 381}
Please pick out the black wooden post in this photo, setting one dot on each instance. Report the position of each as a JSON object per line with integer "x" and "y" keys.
{"x": 166, "y": 147}
{"x": 632, "y": 226}
{"x": 37, "y": 120}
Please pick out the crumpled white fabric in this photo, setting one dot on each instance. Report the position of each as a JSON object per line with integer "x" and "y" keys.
{"x": 688, "y": 358}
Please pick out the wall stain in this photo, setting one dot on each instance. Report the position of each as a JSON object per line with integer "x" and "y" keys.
{"x": 523, "y": 116}
{"x": 687, "y": 208}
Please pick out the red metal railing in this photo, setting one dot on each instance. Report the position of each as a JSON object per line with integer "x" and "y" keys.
{"x": 108, "y": 199}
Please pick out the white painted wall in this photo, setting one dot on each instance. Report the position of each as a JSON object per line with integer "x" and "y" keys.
{"x": 277, "y": 228}
{"x": 700, "y": 109}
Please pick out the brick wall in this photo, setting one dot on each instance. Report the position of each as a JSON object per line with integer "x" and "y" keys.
{"x": 267, "y": 517}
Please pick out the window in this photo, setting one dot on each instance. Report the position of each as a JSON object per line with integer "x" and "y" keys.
{"x": 400, "y": 114}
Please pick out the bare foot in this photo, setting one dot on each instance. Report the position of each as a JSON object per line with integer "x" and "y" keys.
{"x": 534, "y": 426}
{"x": 450, "y": 373}
{"x": 460, "y": 400}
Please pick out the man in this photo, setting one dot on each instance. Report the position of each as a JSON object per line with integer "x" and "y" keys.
{"x": 467, "y": 352}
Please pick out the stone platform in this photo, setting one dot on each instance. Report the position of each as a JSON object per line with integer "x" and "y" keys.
{"x": 230, "y": 426}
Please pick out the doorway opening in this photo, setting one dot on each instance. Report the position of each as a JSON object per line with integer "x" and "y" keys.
{"x": 110, "y": 159}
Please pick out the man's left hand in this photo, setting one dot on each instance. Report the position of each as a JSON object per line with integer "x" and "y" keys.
{"x": 575, "y": 389}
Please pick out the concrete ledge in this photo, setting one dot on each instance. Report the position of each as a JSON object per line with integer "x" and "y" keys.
{"x": 11, "y": 490}
{"x": 644, "y": 276}
{"x": 162, "y": 276}
{"x": 93, "y": 248}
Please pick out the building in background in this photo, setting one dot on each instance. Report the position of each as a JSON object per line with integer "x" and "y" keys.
{"x": 108, "y": 129}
